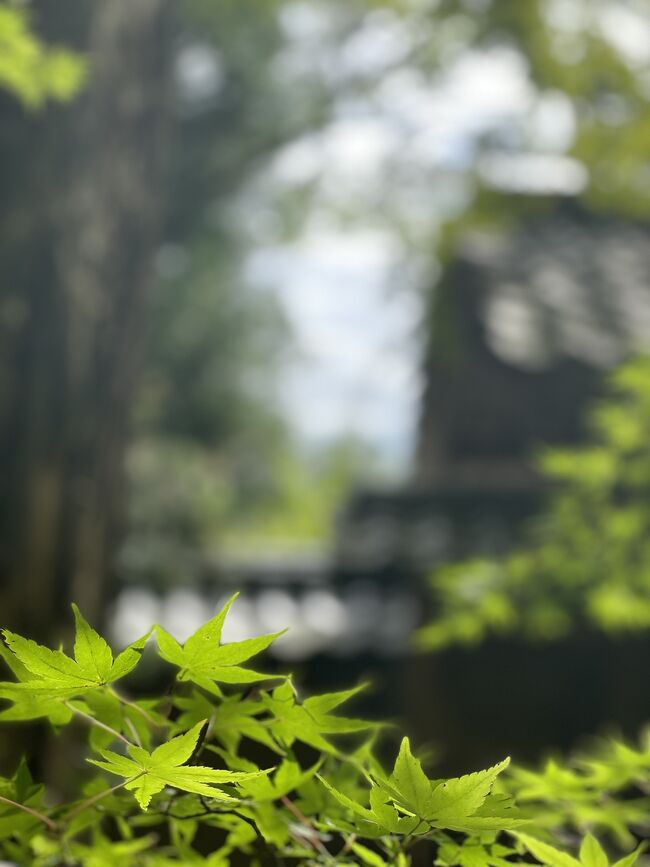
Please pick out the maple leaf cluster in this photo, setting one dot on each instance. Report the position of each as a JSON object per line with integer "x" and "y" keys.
{"x": 165, "y": 768}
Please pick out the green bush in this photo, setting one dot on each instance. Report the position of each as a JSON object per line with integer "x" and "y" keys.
{"x": 584, "y": 563}
{"x": 167, "y": 780}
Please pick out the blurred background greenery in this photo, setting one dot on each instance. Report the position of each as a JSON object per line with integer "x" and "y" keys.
{"x": 293, "y": 296}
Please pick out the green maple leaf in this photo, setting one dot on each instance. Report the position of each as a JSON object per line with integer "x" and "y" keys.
{"x": 387, "y": 815}
{"x": 147, "y": 774}
{"x": 309, "y": 721}
{"x": 21, "y": 789}
{"x": 28, "y": 704}
{"x": 287, "y": 777}
{"x": 410, "y": 782}
{"x": 461, "y": 797}
{"x": 91, "y": 652}
{"x": 95, "y": 658}
{"x": 367, "y": 856}
{"x": 546, "y": 853}
{"x": 205, "y": 661}
{"x": 49, "y": 667}
{"x": 591, "y": 853}
{"x": 48, "y": 677}
{"x": 319, "y": 706}
{"x": 107, "y": 853}
{"x": 497, "y": 813}
{"x": 473, "y": 852}
{"x": 459, "y": 804}
{"x": 379, "y": 819}
{"x": 234, "y": 718}
{"x": 353, "y": 806}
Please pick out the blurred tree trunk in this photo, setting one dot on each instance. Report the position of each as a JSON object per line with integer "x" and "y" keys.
{"x": 107, "y": 248}
{"x": 79, "y": 266}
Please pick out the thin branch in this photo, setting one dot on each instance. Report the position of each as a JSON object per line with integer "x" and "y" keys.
{"x": 134, "y": 731}
{"x": 35, "y": 813}
{"x": 93, "y": 721}
{"x": 312, "y": 834}
{"x": 128, "y": 703}
{"x": 96, "y": 798}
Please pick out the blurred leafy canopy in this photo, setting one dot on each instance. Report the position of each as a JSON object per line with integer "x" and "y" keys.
{"x": 31, "y": 70}
{"x": 591, "y": 53}
{"x": 212, "y": 457}
{"x": 585, "y": 560}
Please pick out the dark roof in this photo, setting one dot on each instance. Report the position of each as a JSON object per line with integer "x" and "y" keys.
{"x": 524, "y": 322}
{"x": 567, "y": 285}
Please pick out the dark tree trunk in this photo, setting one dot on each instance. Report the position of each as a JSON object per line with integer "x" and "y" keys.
{"x": 76, "y": 273}
{"x": 106, "y": 254}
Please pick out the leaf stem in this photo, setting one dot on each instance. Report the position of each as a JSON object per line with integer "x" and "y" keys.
{"x": 93, "y": 721}
{"x": 134, "y": 731}
{"x": 50, "y": 824}
{"x": 312, "y": 835}
{"x": 135, "y": 706}
{"x": 90, "y": 802}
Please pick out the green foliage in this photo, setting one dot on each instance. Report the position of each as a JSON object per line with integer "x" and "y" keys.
{"x": 604, "y": 790}
{"x": 587, "y": 61}
{"x": 146, "y": 773}
{"x": 30, "y": 70}
{"x": 206, "y": 662}
{"x": 586, "y": 560}
{"x": 309, "y": 488}
{"x": 188, "y": 791}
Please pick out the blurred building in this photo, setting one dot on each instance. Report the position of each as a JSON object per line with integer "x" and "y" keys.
{"x": 523, "y": 325}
